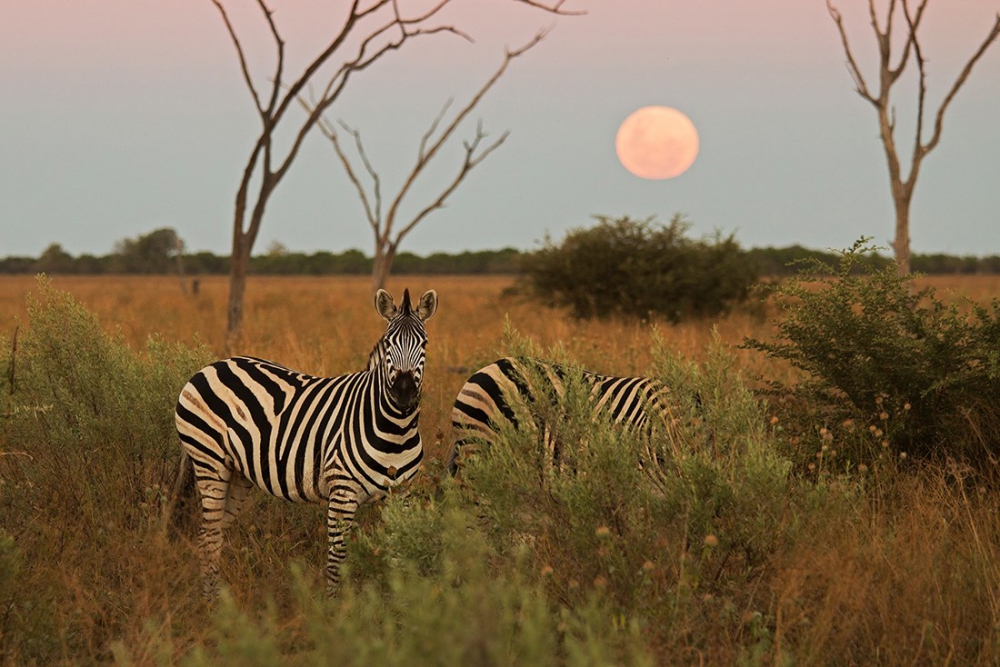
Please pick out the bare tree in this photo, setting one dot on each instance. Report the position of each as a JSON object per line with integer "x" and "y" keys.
{"x": 387, "y": 227}
{"x": 888, "y": 74}
{"x": 369, "y": 31}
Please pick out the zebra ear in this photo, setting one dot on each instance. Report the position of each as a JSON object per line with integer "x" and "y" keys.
{"x": 384, "y": 305}
{"x": 428, "y": 305}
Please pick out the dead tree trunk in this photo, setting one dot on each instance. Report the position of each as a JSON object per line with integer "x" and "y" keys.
{"x": 367, "y": 33}
{"x": 385, "y": 255}
{"x": 901, "y": 185}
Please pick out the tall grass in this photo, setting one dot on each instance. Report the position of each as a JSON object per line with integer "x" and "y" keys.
{"x": 727, "y": 556}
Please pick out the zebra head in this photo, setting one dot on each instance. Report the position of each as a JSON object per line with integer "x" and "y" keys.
{"x": 403, "y": 345}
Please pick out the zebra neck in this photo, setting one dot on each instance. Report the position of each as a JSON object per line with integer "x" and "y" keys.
{"x": 376, "y": 357}
{"x": 394, "y": 425}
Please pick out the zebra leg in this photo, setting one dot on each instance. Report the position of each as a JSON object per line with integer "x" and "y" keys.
{"x": 345, "y": 499}
{"x": 239, "y": 489}
{"x": 213, "y": 487}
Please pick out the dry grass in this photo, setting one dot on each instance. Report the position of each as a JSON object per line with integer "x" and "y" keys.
{"x": 905, "y": 574}
{"x": 327, "y": 326}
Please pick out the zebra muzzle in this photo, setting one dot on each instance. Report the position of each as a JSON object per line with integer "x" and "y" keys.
{"x": 404, "y": 390}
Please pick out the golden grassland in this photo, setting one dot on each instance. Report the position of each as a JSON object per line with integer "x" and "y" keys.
{"x": 911, "y": 576}
{"x": 328, "y": 325}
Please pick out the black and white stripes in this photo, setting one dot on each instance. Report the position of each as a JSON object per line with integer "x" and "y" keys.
{"x": 342, "y": 441}
{"x": 485, "y": 400}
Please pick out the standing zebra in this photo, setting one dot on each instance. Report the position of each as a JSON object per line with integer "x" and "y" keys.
{"x": 485, "y": 400}
{"x": 342, "y": 441}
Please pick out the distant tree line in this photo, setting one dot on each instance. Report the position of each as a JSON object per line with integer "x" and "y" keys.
{"x": 786, "y": 261}
{"x": 162, "y": 252}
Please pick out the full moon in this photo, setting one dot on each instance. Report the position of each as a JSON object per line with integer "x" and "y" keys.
{"x": 657, "y": 143}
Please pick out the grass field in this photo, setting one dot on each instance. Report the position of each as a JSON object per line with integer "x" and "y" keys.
{"x": 327, "y": 326}
{"x": 899, "y": 565}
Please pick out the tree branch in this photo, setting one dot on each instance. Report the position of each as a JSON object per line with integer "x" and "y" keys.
{"x": 939, "y": 119}
{"x": 913, "y": 24}
{"x": 374, "y": 213}
{"x": 553, "y": 9}
{"x": 339, "y": 80}
{"x": 468, "y": 165}
{"x": 921, "y": 83}
{"x": 432, "y": 129}
{"x": 279, "y": 67}
{"x": 426, "y": 156}
{"x": 852, "y": 66}
{"x": 242, "y": 58}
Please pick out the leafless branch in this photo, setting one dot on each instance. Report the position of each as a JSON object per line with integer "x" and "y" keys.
{"x": 426, "y": 156}
{"x": 913, "y": 24}
{"x": 387, "y": 235}
{"x": 433, "y": 128}
{"x": 939, "y": 120}
{"x": 279, "y": 66}
{"x": 375, "y": 35}
{"x": 553, "y": 9}
{"x": 902, "y": 187}
{"x": 852, "y": 66}
{"x": 364, "y": 158}
{"x": 373, "y": 213}
{"x": 376, "y": 182}
{"x": 470, "y": 162}
{"x": 873, "y": 15}
{"x": 241, "y": 55}
{"x": 339, "y": 80}
{"x": 914, "y": 43}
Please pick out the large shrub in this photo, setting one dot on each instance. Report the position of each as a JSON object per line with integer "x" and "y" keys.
{"x": 637, "y": 268}
{"x": 88, "y": 451}
{"x": 887, "y": 366}
{"x": 654, "y": 541}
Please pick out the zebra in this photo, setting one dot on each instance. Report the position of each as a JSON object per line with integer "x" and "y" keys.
{"x": 485, "y": 401}
{"x": 342, "y": 441}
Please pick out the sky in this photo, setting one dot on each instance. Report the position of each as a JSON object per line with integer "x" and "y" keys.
{"x": 119, "y": 117}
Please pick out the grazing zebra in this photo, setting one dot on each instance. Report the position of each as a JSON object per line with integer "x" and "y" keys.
{"x": 342, "y": 441}
{"x": 485, "y": 400}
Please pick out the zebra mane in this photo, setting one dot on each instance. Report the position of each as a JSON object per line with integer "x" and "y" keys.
{"x": 405, "y": 308}
{"x": 376, "y": 356}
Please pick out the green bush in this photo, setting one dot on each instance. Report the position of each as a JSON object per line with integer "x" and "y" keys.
{"x": 457, "y": 608}
{"x": 635, "y": 269}
{"x": 89, "y": 450}
{"x": 886, "y": 366}
{"x": 653, "y": 541}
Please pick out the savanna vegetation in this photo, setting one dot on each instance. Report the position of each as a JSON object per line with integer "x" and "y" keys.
{"x": 638, "y": 269}
{"x": 778, "y": 529}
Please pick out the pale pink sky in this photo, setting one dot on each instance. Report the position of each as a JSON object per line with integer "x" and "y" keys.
{"x": 122, "y": 116}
